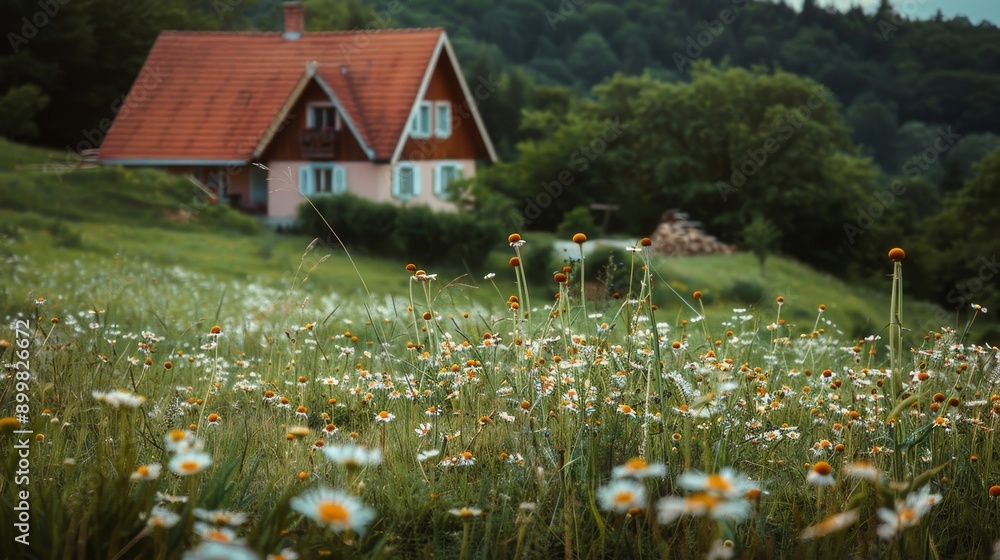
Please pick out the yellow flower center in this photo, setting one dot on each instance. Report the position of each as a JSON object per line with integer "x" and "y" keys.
{"x": 636, "y": 464}
{"x": 717, "y": 482}
{"x": 623, "y": 497}
{"x": 333, "y": 513}
{"x": 143, "y": 470}
{"x": 189, "y": 466}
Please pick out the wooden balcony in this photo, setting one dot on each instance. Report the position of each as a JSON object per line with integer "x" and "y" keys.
{"x": 318, "y": 143}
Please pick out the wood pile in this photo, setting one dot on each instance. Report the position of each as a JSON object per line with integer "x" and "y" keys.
{"x": 678, "y": 236}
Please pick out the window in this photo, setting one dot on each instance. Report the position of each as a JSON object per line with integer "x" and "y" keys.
{"x": 444, "y": 174}
{"x": 322, "y": 115}
{"x": 442, "y": 119}
{"x": 406, "y": 181}
{"x": 420, "y": 126}
{"x": 322, "y": 178}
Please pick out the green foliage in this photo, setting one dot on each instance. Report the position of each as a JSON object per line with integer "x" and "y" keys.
{"x": 577, "y": 220}
{"x": 760, "y": 236}
{"x": 415, "y": 233}
{"x": 747, "y": 292}
{"x": 18, "y": 108}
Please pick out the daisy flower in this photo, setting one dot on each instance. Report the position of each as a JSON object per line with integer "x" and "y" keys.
{"x": 832, "y": 524}
{"x": 422, "y": 430}
{"x": 424, "y": 455}
{"x": 146, "y": 472}
{"x": 162, "y": 518}
{"x": 285, "y": 554}
{"x": 334, "y": 509}
{"x": 670, "y": 508}
{"x": 119, "y": 399}
{"x": 215, "y": 550}
{"x": 466, "y": 512}
{"x": 210, "y": 532}
{"x": 353, "y": 456}
{"x": 190, "y": 462}
{"x": 821, "y": 474}
{"x": 639, "y": 468}
{"x": 907, "y": 513}
{"x": 384, "y": 416}
{"x": 622, "y": 495}
{"x": 724, "y": 484}
{"x": 221, "y": 517}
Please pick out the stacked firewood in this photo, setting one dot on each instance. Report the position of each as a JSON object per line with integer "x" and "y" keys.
{"x": 677, "y": 236}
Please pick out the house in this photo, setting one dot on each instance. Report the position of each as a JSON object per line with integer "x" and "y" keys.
{"x": 264, "y": 119}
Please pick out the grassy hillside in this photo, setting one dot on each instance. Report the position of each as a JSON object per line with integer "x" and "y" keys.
{"x": 114, "y": 218}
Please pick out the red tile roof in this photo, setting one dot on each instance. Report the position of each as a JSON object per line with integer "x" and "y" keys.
{"x": 212, "y": 95}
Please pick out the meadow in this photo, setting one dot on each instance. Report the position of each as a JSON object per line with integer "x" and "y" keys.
{"x": 192, "y": 393}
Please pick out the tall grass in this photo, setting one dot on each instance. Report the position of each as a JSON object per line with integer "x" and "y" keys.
{"x": 535, "y": 426}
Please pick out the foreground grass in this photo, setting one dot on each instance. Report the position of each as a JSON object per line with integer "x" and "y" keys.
{"x": 477, "y": 429}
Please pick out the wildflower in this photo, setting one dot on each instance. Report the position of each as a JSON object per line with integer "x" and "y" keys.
{"x": 579, "y": 238}
{"x": 218, "y": 534}
{"x": 862, "y": 469}
{"x": 334, "y": 509}
{"x": 626, "y": 410}
{"x": 466, "y": 512}
{"x": 897, "y": 255}
{"x": 213, "y": 419}
{"x": 353, "y": 456}
{"x": 146, "y": 472}
{"x": 216, "y": 550}
{"x": 162, "y": 518}
{"x": 670, "y": 508}
{"x": 639, "y": 468}
{"x": 190, "y": 462}
{"x": 285, "y": 554}
{"x": 298, "y": 432}
{"x": 9, "y": 423}
{"x": 119, "y": 399}
{"x": 490, "y": 276}
{"x": 622, "y": 495}
{"x": 424, "y": 455}
{"x": 422, "y": 430}
{"x": 384, "y": 416}
{"x": 907, "y": 513}
{"x": 215, "y": 331}
{"x": 170, "y": 499}
{"x": 221, "y": 517}
{"x": 832, "y": 524}
{"x": 724, "y": 484}
{"x": 466, "y": 459}
{"x": 994, "y": 491}
{"x": 821, "y": 474}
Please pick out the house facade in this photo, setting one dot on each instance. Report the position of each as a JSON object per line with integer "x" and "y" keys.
{"x": 262, "y": 120}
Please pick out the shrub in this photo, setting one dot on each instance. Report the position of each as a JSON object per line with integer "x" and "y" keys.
{"x": 745, "y": 291}
{"x": 577, "y": 220}
{"x": 415, "y": 233}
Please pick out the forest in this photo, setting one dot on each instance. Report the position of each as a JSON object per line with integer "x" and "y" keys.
{"x": 848, "y": 131}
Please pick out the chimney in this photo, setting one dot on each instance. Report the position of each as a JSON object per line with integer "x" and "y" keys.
{"x": 294, "y": 20}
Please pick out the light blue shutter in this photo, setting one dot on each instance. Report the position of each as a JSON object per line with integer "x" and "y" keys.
{"x": 305, "y": 185}
{"x": 416, "y": 181}
{"x": 339, "y": 180}
{"x": 438, "y": 180}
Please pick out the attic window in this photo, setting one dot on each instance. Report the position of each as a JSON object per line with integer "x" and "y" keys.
{"x": 420, "y": 125}
{"x": 442, "y": 119}
{"x": 322, "y": 115}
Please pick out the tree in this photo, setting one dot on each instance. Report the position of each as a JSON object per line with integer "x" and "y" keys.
{"x": 760, "y": 237}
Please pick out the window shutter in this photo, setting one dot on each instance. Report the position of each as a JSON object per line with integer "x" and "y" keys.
{"x": 339, "y": 180}
{"x": 416, "y": 181}
{"x": 438, "y": 179}
{"x": 305, "y": 185}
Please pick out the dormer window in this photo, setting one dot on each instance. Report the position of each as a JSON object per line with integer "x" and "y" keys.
{"x": 420, "y": 125}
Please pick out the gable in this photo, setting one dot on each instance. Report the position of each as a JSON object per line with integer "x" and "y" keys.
{"x": 214, "y": 96}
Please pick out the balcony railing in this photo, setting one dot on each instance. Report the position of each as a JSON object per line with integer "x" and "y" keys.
{"x": 318, "y": 143}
